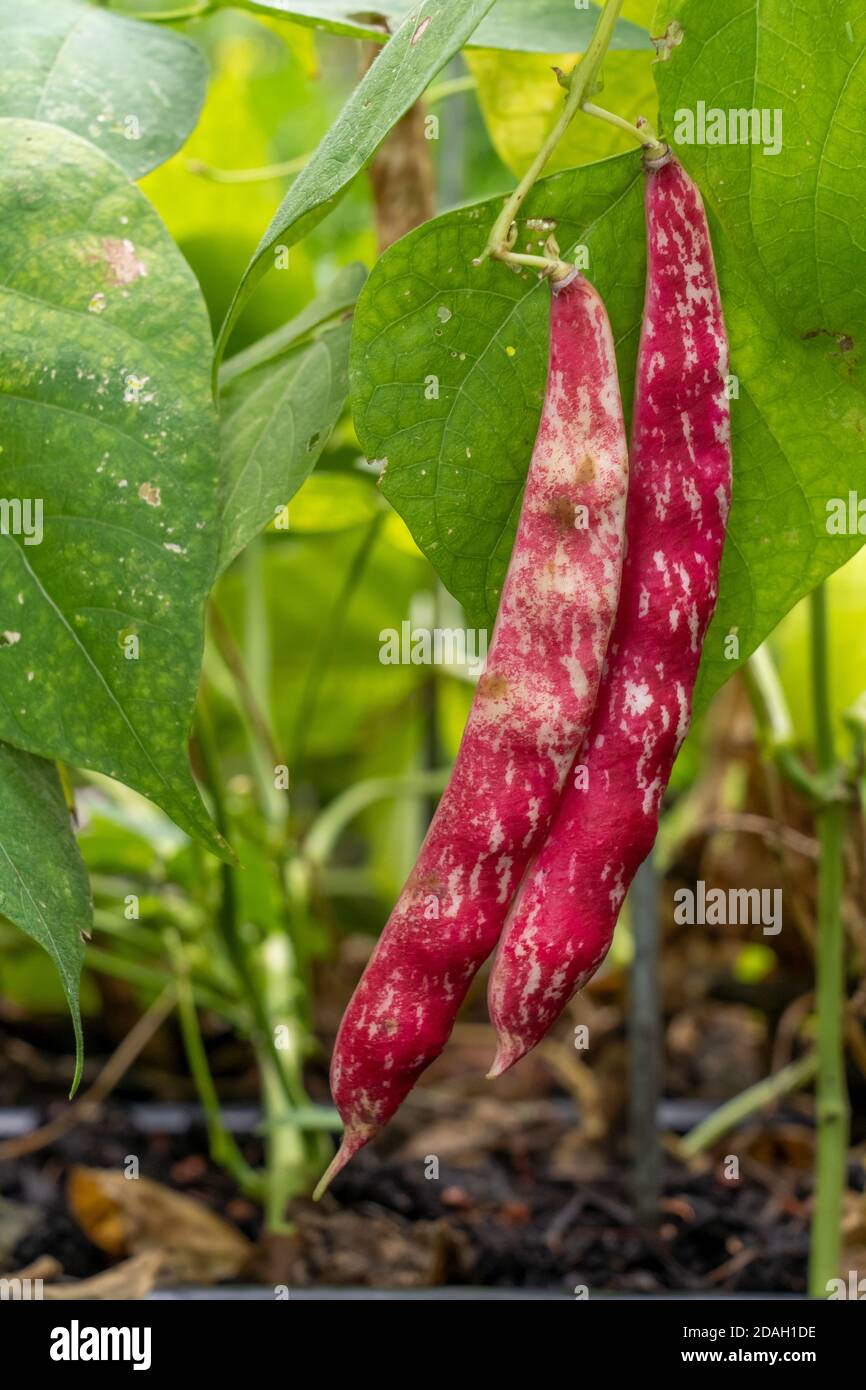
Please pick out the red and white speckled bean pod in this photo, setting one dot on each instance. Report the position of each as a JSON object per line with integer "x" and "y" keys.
{"x": 530, "y": 714}
{"x": 560, "y": 926}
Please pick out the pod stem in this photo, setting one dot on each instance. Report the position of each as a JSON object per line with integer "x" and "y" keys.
{"x": 642, "y": 131}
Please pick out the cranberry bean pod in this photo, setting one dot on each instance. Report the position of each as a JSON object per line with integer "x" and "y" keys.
{"x": 561, "y": 923}
{"x": 530, "y": 714}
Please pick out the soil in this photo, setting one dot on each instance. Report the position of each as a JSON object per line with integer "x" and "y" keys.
{"x": 523, "y": 1210}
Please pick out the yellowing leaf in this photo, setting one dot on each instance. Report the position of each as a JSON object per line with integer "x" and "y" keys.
{"x": 520, "y": 98}
{"x": 133, "y": 1216}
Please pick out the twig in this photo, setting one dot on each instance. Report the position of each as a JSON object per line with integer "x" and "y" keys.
{"x": 118, "y": 1064}
{"x": 228, "y": 650}
{"x": 784, "y": 836}
{"x": 643, "y": 133}
{"x": 263, "y": 174}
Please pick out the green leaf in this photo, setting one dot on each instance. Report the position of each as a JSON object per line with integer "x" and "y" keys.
{"x": 331, "y": 502}
{"x": 788, "y": 230}
{"x": 106, "y": 420}
{"x": 456, "y": 464}
{"x": 275, "y": 423}
{"x": 262, "y": 108}
{"x": 795, "y": 219}
{"x": 43, "y": 883}
{"x": 396, "y": 79}
{"x": 428, "y": 321}
{"x": 545, "y": 26}
{"x": 133, "y": 90}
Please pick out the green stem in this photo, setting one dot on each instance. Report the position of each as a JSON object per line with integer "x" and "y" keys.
{"x": 329, "y": 825}
{"x": 257, "y": 662}
{"x": 286, "y": 168}
{"x": 581, "y": 86}
{"x": 644, "y": 134}
{"x": 223, "y": 1148}
{"x": 285, "y": 1153}
{"x": 150, "y": 977}
{"x": 329, "y": 640}
{"x": 263, "y": 174}
{"x": 734, "y": 1112}
{"x": 831, "y": 1090}
{"x": 260, "y": 174}
{"x": 227, "y": 917}
{"x": 260, "y": 739}
{"x": 771, "y": 711}
{"x": 452, "y": 87}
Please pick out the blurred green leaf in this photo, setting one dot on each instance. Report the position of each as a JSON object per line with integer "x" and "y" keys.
{"x": 333, "y": 502}
{"x": 43, "y": 883}
{"x": 109, "y": 846}
{"x": 358, "y": 697}
{"x": 261, "y": 107}
{"x": 276, "y": 419}
{"x": 133, "y": 90}
{"x": 337, "y": 299}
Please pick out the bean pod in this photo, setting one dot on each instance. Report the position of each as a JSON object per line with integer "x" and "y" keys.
{"x": 530, "y": 713}
{"x": 560, "y": 926}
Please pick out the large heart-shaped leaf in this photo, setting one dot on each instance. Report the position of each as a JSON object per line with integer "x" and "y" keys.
{"x": 795, "y": 217}
{"x": 43, "y": 883}
{"x": 447, "y": 373}
{"x": 423, "y": 44}
{"x": 788, "y": 228}
{"x": 449, "y": 359}
{"x": 545, "y": 26}
{"x": 133, "y": 90}
{"x": 107, "y": 427}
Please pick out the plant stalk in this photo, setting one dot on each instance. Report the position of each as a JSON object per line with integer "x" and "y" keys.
{"x": 773, "y": 716}
{"x": 285, "y": 1152}
{"x": 223, "y": 1147}
{"x": 831, "y": 1090}
{"x": 581, "y": 86}
{"x": 734, "y": 1112}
